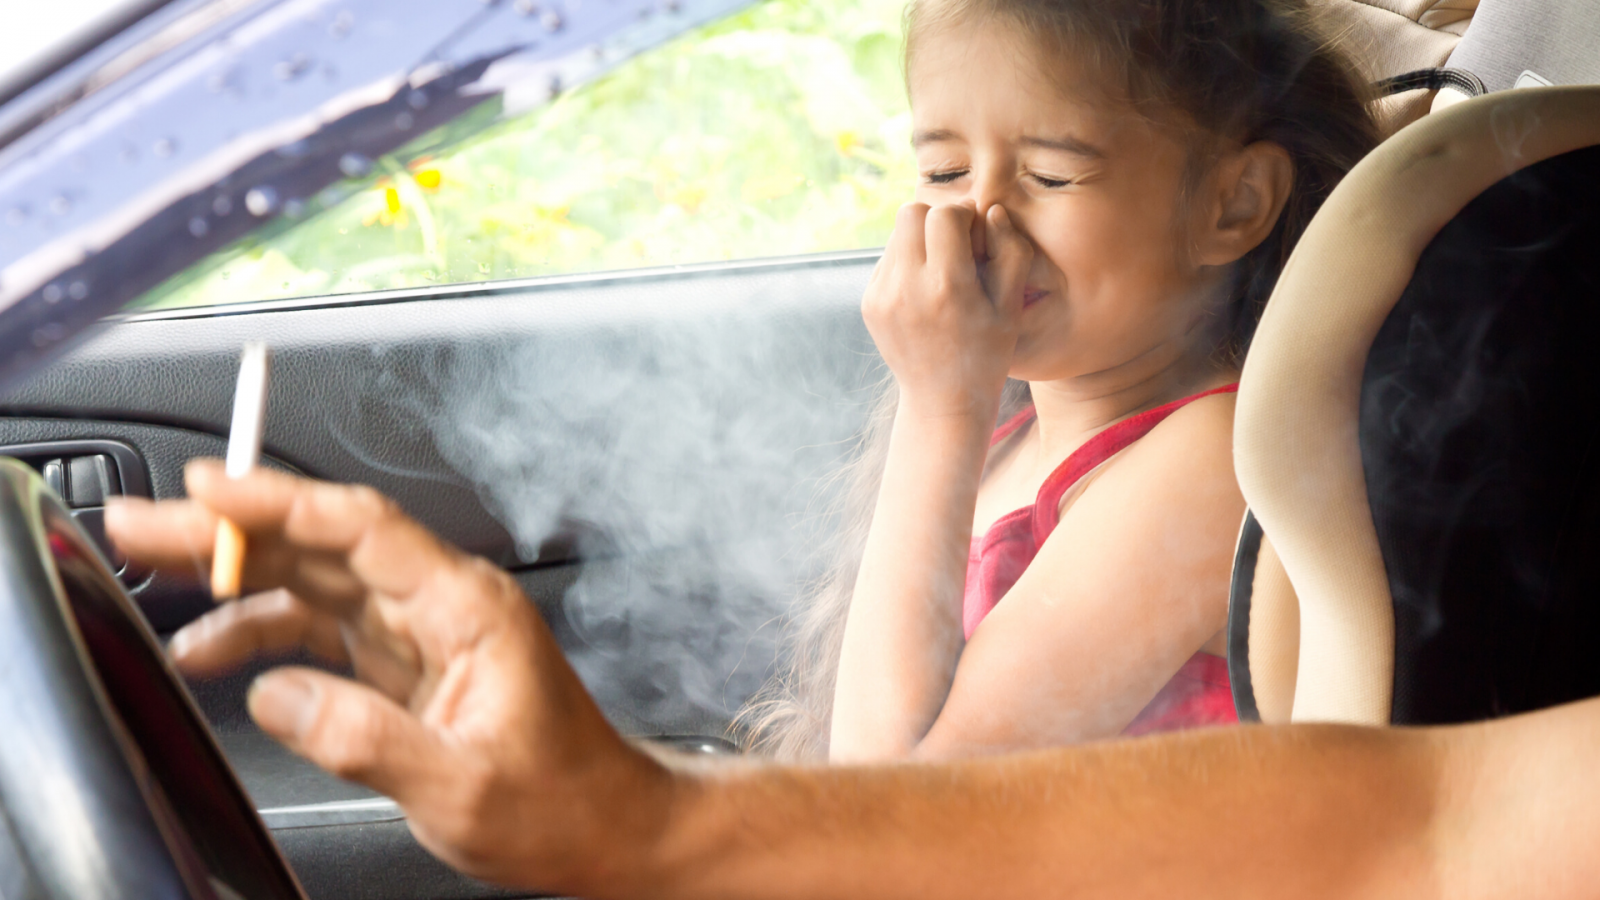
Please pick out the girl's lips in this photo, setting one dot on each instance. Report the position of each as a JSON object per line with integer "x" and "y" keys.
{"x": 1032, "y": 295}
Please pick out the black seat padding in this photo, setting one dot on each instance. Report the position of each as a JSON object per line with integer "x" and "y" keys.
{"x": 1480, "y": 436}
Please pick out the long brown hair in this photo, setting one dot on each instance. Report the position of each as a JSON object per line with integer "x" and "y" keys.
{"x": 1230, "y": 70}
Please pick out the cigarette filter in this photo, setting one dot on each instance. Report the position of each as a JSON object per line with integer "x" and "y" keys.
{"x": 244, "y": 452}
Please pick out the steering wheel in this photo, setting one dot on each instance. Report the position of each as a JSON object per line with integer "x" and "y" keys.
{"x": 111, "y": 785}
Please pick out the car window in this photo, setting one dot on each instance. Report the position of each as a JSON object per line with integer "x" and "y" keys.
{"x": 777, "y": 131}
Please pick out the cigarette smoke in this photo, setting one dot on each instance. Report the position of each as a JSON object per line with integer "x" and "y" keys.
{"x": 688, "y": 453}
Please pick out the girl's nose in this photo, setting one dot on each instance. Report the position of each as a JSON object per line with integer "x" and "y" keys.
{"x": 989, "y": 187}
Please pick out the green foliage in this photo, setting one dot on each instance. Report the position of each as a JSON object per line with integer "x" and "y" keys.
{"x": 780, "y": 130}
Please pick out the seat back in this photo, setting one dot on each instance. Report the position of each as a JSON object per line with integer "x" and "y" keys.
{"x": 1480, "y": 438}
{"x": 1529, "y": 43}
{"x": 1418, "y": 431}
{"x": 1388, "y": 38}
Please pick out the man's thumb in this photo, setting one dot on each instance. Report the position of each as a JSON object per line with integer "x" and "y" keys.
{"x": 1010, "y": 257}
{"x": 348, "y": 729}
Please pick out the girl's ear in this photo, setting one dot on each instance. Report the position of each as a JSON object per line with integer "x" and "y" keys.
{"x": 1241, "y": 202}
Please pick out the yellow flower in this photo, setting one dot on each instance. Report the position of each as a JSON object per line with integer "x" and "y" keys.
{"x": 390, "y": 212}
{"x": 688, "y": 197}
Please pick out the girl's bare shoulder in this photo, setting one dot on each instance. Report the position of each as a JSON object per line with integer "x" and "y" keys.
{"x": 1193, "y": 447}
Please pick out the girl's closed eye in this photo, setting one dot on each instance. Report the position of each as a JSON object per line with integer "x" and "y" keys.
{"x": 1045, "y": 181}
{"x": 945, "y": 177}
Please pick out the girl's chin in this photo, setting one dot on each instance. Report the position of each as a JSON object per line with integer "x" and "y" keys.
{"x": 1027, "y": 366}
{"x": 1048, "y": 351}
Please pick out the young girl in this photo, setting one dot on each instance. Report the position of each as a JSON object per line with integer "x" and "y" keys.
{"x": 1108, "y": 191}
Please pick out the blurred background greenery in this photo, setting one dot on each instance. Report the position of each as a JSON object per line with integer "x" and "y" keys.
{"x": 780, "y": 130}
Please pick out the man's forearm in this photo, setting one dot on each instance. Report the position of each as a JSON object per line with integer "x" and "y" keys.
{"x": 1323, "y": 811}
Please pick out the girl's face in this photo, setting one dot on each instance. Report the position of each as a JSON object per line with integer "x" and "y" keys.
{"x": 1095, "y": 185}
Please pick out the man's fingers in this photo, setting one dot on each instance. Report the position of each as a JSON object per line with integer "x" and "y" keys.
{"x": 171, "y": 535}
{"x": 1010, "y": 257}
{"x": 350, "y": 730}
{"x": 387, "y": 550}
{"x": 263, "y": 623}
{"x": 260, "y": 501}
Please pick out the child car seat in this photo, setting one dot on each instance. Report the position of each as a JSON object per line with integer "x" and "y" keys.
{"x": 1394, "y": 43}
{"x": 1424, "y": 55}
{"x": 1529, "y": 43}
{"x": 1418, "y": 431}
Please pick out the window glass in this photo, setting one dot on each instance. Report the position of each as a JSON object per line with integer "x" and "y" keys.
{"x": 780, "y": 130}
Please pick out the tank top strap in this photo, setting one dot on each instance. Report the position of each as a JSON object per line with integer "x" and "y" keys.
{"x": 1096, "y": 450}
{"x": 1023, "y": 417}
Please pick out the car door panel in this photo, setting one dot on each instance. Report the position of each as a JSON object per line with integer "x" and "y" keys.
{"x": 167, "y": 601}
{"x": 356, "y": 397}
{"x": 338, "y": 365}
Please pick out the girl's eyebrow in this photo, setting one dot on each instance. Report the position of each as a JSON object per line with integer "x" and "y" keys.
{"x": 1067, "y": 144}
{"x": 936, "y": 136}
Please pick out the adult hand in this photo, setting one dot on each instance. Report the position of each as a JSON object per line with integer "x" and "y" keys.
{"x": 943, "y": 305}
{"x": 465, "y": 711}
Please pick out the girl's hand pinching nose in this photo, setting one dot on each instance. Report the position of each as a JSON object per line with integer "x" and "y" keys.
{"x": 946, "y": 325}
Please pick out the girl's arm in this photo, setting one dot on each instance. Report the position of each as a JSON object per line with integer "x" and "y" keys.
{"x": 903, "y": 635}
{"x": 1131, "y": 583}
{"x": 949, "y": 347}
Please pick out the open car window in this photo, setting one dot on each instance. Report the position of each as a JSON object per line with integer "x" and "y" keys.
{"x": 779, "y": 130}
{"x": 242, "y": 150}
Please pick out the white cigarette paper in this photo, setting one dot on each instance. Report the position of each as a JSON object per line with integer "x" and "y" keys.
{"x": 244, "y": 451}
{"x": 249, "y": 411}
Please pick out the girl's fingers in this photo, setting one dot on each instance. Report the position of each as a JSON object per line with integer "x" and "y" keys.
{"x": 1011, "y": 256}
{"x": 907, "y": 243}
{"x": 949, "y": 230}
{"x": 236, "y": 632}
{"x": 979, "y": 238}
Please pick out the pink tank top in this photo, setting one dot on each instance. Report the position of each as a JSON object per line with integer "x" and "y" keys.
{"x": 1200, "y": 693}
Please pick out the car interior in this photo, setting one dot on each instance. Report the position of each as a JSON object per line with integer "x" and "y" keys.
{"x": 1441, "y": 387}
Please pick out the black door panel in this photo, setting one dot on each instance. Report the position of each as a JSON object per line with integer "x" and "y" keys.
{"x": 167, "y": 601}
{"x": 354, "y": 380}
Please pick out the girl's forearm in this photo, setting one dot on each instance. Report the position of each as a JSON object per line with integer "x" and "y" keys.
{"x": 1321, "y": 811}
{"x": 903, "y": 635}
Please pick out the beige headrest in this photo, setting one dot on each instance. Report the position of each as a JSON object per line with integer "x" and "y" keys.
{"x": 1385, "y": 38}
{"x": 1295, "y": 439}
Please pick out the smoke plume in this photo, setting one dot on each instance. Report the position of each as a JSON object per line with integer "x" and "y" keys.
{"x": 690, "y": 458}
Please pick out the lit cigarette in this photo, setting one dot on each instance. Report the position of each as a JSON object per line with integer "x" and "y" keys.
{"x": 244, "y": 451}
